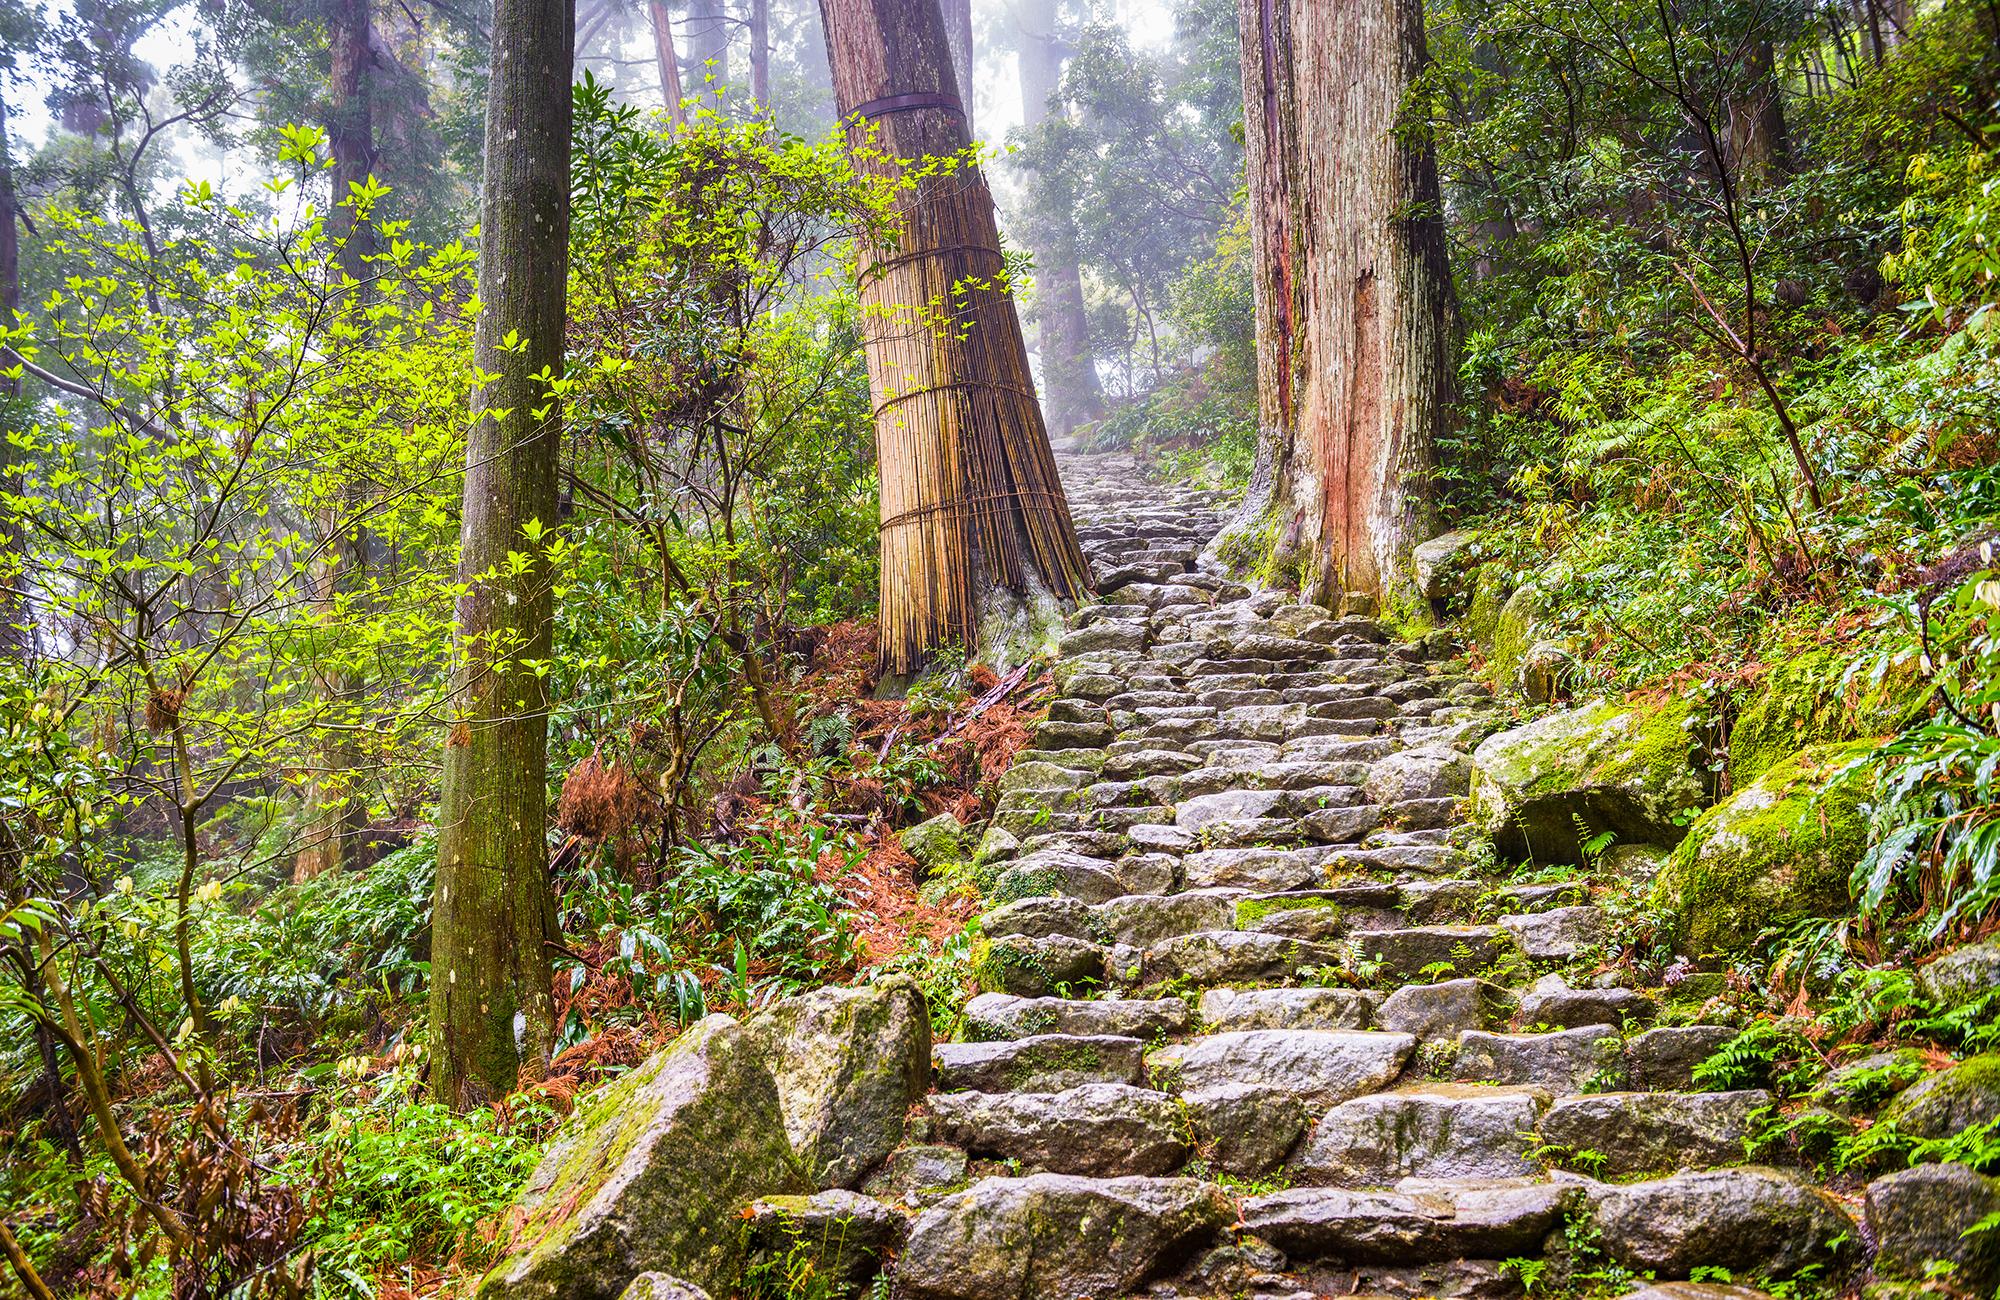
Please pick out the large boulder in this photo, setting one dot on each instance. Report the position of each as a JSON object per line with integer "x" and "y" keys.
{"x": 649, "y": 1175}
{"x": 1925, "y": 1217}
{"x": 1757, "y": 1222}
{"x": 1626, "y": 769}
{"x": 849, "y": 1063}
{"x": 1057, "y": 1237}
{"x": 1777, "y": 852}
{"x": 1950, "y": 1101}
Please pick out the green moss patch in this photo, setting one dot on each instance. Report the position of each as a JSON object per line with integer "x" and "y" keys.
{"x": 1781, "y": 851}
{"x": 1808, "y": 699}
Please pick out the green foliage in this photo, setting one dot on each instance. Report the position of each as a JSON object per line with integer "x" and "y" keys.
{"x": 748, "y": 920}
{"x": 945, "y": 970}
{"x": 1768, "y": 1053}
{"x": 418, "y": 1182}
{"x": 1936, "y": 830}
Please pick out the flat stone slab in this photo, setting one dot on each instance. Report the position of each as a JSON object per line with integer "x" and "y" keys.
{"x": 1480, "y": 1222}
{"x": 1630, "y": 1133}
{"x": 1042, "y": 1063}
{"x": 1436, "y": 1131}
{"x": 1100, "y": 1129}
{"x": 1002, "y": 1016}
{"x": 1320, "y": 1067}
{"x": 1232, "y": 956}
{"x": 1756, "y": 1222}
{"x": 1288, "y": 1008}
{"x": 1057, "y": 1237}
{"x": 1567, "y": 1060}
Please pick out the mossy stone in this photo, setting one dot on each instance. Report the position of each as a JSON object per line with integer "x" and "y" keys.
{"x": 1516, "y": 630}
{"x": 848, "y": 1063}
{"x": 1804, "y": 701}
{"x": 1491, "y": 586}
{"x": 1628, "y": 769}
{"x": 937, "y": 844}
{"x": 1780, "y": 851}
{"x": 1950, "y": 1101}
{"x": 648, "y": 1176}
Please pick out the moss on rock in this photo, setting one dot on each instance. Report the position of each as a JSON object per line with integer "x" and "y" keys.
{"x": 1628, "y": 769}
{"x": 649, "y": 1176}
{"x": 1250, "y": 911}
{"x": 1950, "y": 1101}
{"x": 1806, "y": 700}
{"x": 1491, "y": 586}
{"x": 1516, "y": 629}
{"x": 1778, "y": 852}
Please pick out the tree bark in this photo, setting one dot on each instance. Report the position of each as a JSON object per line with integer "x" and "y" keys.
{"x": 336, "y": 817}
{"x": 15, "y": 636}
{"x": 760, "y": 52}
{"x": 668, "y": 61}
{"x": 958, "y": 33}
{"x": 708, "y": 44}
{"x": 1757, "y": 121}
{"x": 1354, "y": 308}
{"x": 971, "y": 502}
{"x": 1072, "y": 395}
{"x": 492, "y": 1014}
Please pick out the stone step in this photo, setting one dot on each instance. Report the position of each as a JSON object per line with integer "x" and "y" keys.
{"x": 1100, "y": 1129}
{"x": 1435, "y": 1222}
{"x": 1431, "y": 1131}
{"x": 1320, "y": 1068}
{"x": 1039, "y": 1063}
{"x": 995, "y": 1016}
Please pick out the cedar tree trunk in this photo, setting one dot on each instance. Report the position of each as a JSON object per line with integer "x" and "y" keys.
{"x": 336, "y": 816}
{"x": 971, "y": 503}
{"x": 1355, "y": 316}
{"x": 668, "y": 61}
{"x": 492, "y": 1014}
{"x": 1069, "y": 371}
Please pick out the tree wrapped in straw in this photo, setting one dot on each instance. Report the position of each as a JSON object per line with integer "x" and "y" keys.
{"x": 971, "y": 504}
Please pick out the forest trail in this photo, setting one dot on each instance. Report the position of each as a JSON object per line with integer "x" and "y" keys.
{"x": 1258, "y": 1022}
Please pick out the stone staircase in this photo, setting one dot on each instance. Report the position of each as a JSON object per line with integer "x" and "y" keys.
{"x": 1259, "y": 1020}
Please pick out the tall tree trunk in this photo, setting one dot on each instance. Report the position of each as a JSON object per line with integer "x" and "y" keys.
{"x": 1757, "y": 121}
{"x": 669, "y": 63}
{"x": 971, "y": 503}
{"x": 492, "y": 1013}
{"x": 1354, "y": 308}
{"x": 1069, "y": 371}
{"x": 708, "y": 46}
{"x": 336, "y": 816}
{"x": 760, "y": 52}
{"x": 958, "y": 33}
{"x": 15, "y": 637}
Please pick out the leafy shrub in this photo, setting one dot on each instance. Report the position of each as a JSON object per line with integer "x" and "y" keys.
{"x": 418, "y": 1182}
{"x": 1936, "y": 830}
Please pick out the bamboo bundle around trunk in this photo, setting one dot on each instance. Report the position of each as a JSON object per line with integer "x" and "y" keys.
{"x": 970, "y": 494}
